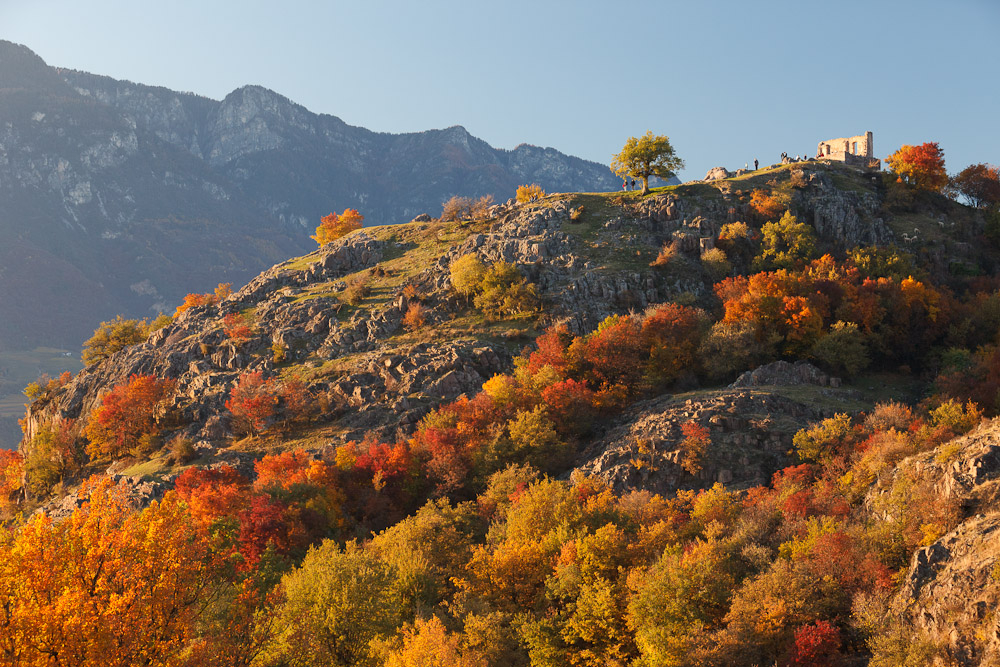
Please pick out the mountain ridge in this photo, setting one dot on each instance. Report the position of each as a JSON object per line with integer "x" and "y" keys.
{"x": 102, "y": 160}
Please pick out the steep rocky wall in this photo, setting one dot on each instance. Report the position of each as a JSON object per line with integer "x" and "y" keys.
{"x": 951, "y": 591}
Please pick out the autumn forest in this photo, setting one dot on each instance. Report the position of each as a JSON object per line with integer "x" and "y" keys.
{"x": 469, "y": 534}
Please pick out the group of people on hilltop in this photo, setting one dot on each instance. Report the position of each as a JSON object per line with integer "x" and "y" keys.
{"x": 628, "y": 185}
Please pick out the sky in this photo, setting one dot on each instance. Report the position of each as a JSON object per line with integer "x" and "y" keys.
{"x": 727, "y": 80}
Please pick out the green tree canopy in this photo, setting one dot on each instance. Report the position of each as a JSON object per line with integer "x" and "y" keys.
{"x": 786, "y": 244}
{"x": 646, "y": 156}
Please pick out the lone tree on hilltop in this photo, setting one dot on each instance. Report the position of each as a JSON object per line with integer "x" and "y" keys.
{"x": 646, "y": 156}
{"x": 333, "y": 226}
{"x": 979, "y": 184}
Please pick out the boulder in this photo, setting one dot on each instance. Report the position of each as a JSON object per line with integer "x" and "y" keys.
{"x": 782, "y": 373}
{"x": 717, "y": 173}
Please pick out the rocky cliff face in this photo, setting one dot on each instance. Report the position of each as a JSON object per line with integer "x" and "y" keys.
{"x": 952, "y": 588}
{"x": 750, "y": 426}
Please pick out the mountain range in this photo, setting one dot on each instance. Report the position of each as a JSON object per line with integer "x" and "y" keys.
{"x": 117, "y": 197}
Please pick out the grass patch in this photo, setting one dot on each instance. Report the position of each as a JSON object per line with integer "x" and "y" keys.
{"x": 825, "y": 398}
{"x": 148, "y": 470}
{"x": 471, "y": 324}
{"x": 883, "y": 387}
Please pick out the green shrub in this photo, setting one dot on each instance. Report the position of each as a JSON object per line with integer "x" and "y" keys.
{"x": 505, "y": 292}
{"x": 842, "y": 350}
{"x": 785, "y": 244}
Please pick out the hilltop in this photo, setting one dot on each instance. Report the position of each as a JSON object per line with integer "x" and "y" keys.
{"x": 750, "y": 369}
{"x": 382, "y": 376}
{"x": 378, "y": 378}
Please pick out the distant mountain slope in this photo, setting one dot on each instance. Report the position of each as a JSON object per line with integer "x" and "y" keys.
{"x": 298, "y": 164}
{"x": 118, "y": 197}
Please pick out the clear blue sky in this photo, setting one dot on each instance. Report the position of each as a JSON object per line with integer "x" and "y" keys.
{"x": 727, "y": 80}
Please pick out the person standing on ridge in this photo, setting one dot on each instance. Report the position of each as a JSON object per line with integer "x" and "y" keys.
{"x": 755, "y": 164}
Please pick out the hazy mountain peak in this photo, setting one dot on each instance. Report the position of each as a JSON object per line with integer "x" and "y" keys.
{"x": 22, "y": 68}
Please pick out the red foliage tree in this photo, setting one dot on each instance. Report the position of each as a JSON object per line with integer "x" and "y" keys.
{"x": 296, "y": 402}
{"x": 238, "y": 327}
{"x": 612, "y": 355}
{"x": 816, "y": 644}
{"x": 551, "y": 350}
{"x": 266, "y": 523}
{"x": 571, "y": 406}
{"x": 213, "y": 494}
{"x": 672, "y": 333}
{"x": 127, "y": 413}
{"x": 979, "y": 184}
{"x": 252, "y": 401}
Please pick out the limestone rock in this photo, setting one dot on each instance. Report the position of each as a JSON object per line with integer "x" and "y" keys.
{"x": 717, "y": 174}
{"x": 751, "y": 435}
{"x": 783, "y": 373}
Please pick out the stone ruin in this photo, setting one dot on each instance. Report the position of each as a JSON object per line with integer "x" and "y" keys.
{"x": 858, "y": 151}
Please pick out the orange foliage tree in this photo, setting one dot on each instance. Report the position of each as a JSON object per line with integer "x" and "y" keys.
{"x": 333, "y": 226}
{"x": 127, "y": 414}
{"x": 921, "y": 166}
{"x": 222, "y": 291}
{"x": 105, "y": 586}
{"x": 11, "y": 478}
{"x": 768, "y": 206}
{"x": 212, "y": 495}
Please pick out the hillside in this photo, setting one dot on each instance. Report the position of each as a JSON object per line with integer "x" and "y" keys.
{"x": 624, "y": 347}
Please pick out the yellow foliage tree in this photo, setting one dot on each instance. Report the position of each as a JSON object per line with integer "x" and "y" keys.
{"x": 529, "y": 193}
{"x": 648, "y": 155}
{"x": 467, "y": 274}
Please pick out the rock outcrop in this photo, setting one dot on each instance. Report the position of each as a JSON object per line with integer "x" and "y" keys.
{"x": 751, "y": 436}
{"x": 784, "y": 374}
{"x": 952, "y": 588}
{"x": 717, "y": 173}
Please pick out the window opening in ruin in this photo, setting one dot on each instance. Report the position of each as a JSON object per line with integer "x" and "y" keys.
{"x": 855, "y": 149}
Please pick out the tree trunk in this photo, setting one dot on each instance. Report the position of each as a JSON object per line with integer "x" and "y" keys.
{"x": 645, "y": 185}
